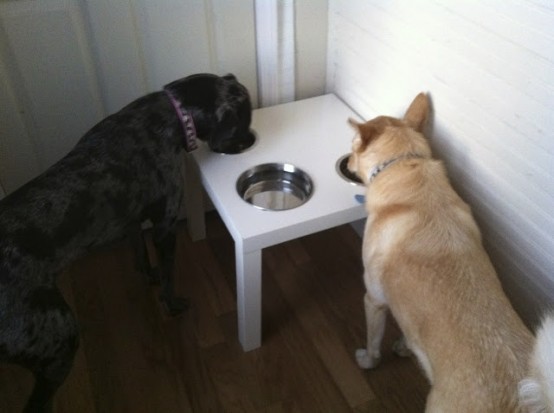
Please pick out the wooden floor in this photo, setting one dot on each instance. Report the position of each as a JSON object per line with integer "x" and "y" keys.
{"x": 133, "y": 358}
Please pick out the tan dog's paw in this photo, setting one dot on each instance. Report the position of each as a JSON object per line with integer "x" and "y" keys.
{"x": 365, "y": 361}
{"x": 400, "y": 348}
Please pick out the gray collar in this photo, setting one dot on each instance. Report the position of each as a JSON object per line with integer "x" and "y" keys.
{"x": 376, "y": 170}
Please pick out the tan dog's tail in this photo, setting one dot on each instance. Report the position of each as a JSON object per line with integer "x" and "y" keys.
{"x": 536, "y": 392}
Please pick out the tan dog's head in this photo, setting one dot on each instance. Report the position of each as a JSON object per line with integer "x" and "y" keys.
{"x": 383, "y": 139}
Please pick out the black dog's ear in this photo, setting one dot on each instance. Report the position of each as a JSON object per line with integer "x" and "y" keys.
{"x": 227, "y": 122}
{"x": 225, "y": 114}
{"x": 230, "y": 76}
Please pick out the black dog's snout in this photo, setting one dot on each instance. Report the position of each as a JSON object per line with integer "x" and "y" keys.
{"x": 235, "y": 144}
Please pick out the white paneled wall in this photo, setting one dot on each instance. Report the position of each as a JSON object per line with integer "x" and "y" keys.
{"x": 47, "y": 86}
{"x": 489, "y": 68}
{"x": 66, "y": 64}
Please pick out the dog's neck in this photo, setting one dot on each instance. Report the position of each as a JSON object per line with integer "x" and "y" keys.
{"x": 186, "y": 121}
{"x": 376, "y": 170}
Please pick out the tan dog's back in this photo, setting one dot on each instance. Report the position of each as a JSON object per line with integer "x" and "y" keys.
{"x": 424, "y": 259}
{"x": 443, "y": 291}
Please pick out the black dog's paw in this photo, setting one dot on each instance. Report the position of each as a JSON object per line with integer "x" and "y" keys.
{"x": 175, "y": 305}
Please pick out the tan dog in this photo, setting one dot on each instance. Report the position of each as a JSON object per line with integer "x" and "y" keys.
{"x": 424, "y": 259}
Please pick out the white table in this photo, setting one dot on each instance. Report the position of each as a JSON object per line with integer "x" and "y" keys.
{"x": 311, "y": 134}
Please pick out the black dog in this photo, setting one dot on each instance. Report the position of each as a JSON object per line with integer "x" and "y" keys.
{"x": 125, "y": 170}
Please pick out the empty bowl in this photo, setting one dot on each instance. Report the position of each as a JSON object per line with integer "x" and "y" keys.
{"x": 275, "y": 186}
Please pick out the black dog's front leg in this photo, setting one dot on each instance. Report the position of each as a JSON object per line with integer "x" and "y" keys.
{"x": 142, "y": 258}
{"x": 164, "y": 238}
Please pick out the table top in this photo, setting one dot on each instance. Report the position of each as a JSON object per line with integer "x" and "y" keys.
{"x": 311, "y": 134}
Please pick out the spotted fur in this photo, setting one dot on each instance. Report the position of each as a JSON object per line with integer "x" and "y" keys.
{"x": 125, "y": 170}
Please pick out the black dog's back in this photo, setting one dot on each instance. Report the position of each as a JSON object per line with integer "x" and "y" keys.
{"x": 106, "y": 183}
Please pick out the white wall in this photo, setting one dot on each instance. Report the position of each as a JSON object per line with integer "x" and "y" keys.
{"x": 489, "y": 68}
{"x": 66, "y": 64}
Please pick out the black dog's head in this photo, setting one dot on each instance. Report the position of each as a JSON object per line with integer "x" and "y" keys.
{"x": 220, "y": 107}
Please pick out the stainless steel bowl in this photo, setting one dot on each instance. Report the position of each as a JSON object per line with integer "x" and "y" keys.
{"x": 275, "y": 186}
{"x": 342, "y": 169}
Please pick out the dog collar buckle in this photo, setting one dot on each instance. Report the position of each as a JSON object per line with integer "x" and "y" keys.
{"x": 186, "y": 122}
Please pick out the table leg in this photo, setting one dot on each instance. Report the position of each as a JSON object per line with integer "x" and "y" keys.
{"x": 194, "y": 200}
{"x": 249, "y": 297}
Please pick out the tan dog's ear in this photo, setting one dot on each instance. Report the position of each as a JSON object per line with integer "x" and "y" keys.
{"x": 418, "y": 113}
{"x": 357, "y": 141}
{"x": 366, "y": 132}
{"x": 354, "y": 123}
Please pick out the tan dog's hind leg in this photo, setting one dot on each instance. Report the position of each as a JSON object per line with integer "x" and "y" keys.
{"x": 375, "y": 314}
{"x": 439, "y": 402}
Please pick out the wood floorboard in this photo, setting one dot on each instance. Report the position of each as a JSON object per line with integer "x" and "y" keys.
{"x": 134, "y": 358}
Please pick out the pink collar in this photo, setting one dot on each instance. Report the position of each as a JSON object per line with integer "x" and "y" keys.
{"x": 186, "y": 122}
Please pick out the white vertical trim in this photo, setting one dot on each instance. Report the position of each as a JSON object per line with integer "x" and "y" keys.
{"x": 267, "y": 48}
{"x": 211, "y": 35}
{"x": 287, "y": 48}
{"x": 275, "y": 51}
{"x": 310, "y": 33}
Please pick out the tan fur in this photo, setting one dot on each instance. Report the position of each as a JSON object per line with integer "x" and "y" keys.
{"x": 424, "y": 260}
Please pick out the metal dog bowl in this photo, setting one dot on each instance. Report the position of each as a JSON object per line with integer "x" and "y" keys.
{"x": 342, "y": 169}
{"x": 275, "y": 186}
{"x": 241, "y": 145}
